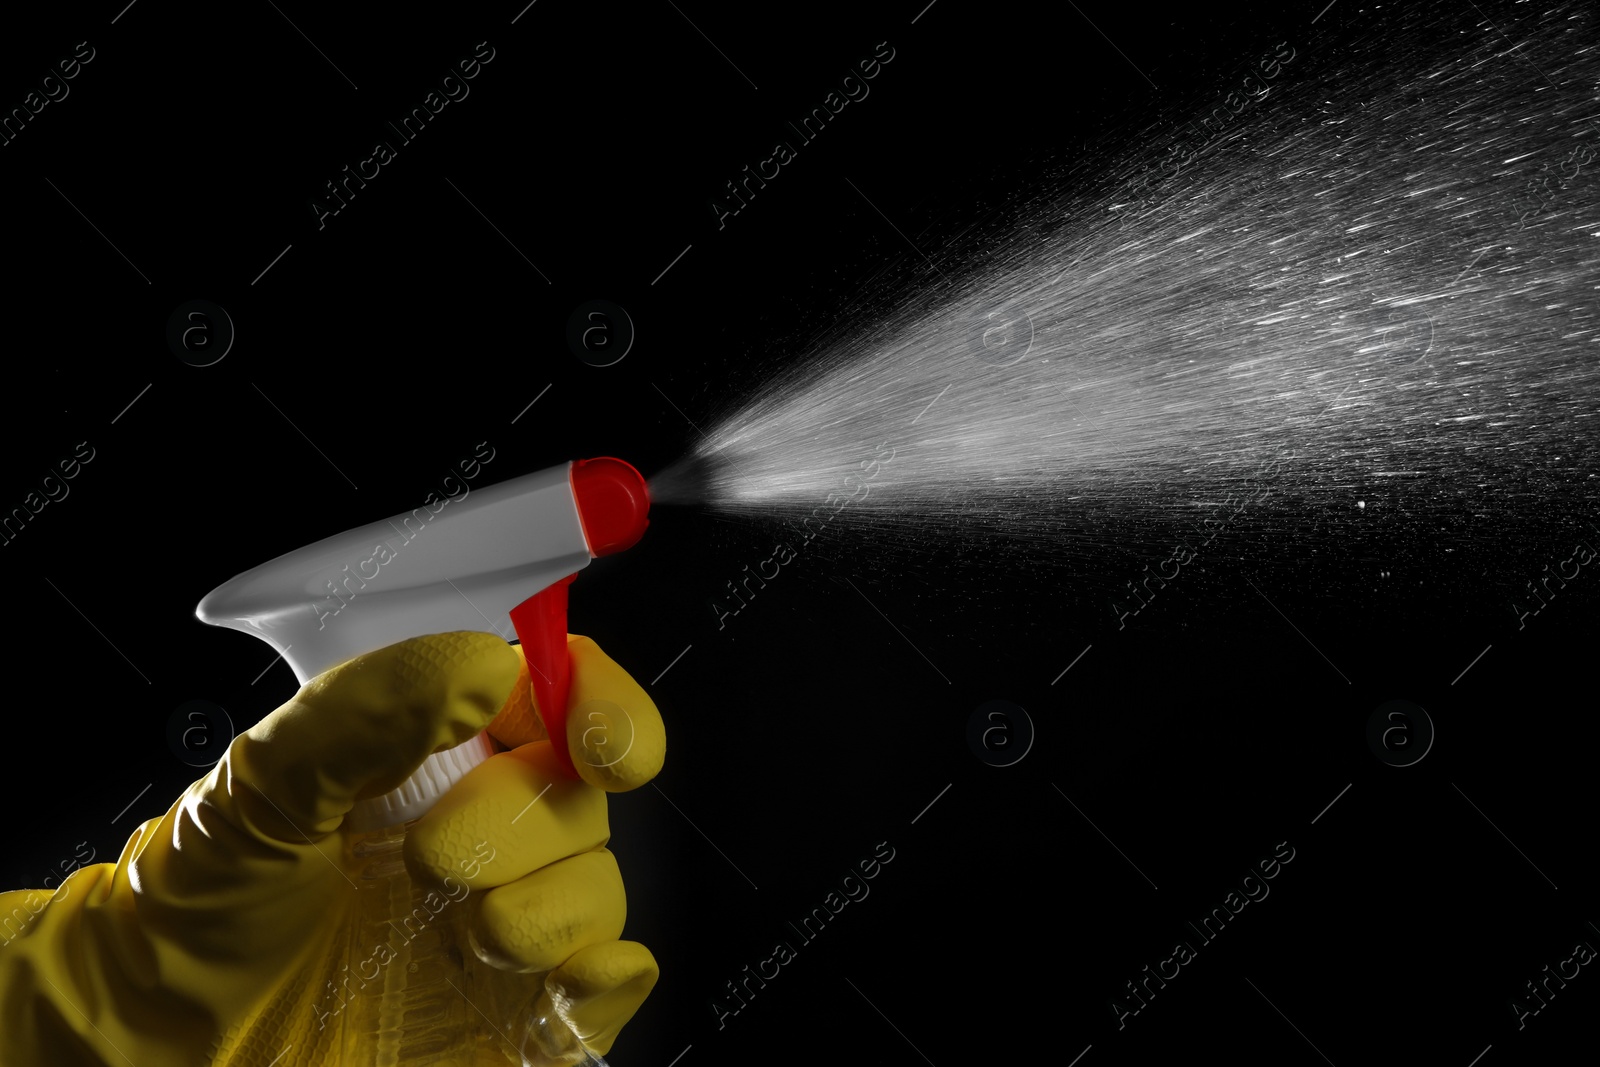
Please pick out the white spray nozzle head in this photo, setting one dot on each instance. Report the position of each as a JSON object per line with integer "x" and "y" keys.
{"x": 461, "y": 563}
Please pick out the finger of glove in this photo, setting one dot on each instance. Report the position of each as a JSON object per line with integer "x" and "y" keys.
{"x": 599, "y": 989}
{"x": 541, "y": 919}
{"x": 362, "y": 728}
{"x": 507, "y": 817}
{"x": 614, "y": 730}
{"x": 518, "y": 722}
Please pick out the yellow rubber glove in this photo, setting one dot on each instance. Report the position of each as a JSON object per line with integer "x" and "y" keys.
{"x": 218, "y": 934}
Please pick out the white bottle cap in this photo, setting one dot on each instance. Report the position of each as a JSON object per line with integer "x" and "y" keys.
{"x": 418, "y": 793}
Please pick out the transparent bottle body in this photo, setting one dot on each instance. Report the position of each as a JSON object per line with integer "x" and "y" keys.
{"x": 416, "y": 994}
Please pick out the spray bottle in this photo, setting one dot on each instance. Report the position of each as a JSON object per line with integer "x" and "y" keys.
{"x": 496, "y": 557}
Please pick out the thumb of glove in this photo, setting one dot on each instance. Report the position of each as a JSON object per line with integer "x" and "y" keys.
{"x": 362, "y": 728}
{"x": 239, "y": 865}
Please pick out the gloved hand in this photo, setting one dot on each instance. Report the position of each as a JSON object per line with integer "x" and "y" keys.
{"x": 223, "y": 929}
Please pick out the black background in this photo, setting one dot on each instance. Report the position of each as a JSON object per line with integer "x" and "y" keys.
{"x": 378, "y": 350}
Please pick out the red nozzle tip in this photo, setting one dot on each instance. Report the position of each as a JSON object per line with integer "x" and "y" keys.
{"x": 613, "y": 503}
